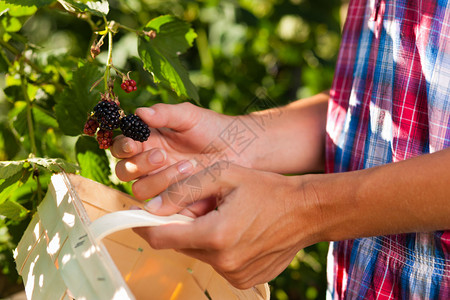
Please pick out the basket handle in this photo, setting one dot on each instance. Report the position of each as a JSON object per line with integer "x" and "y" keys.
{"x": 124, "y": 219}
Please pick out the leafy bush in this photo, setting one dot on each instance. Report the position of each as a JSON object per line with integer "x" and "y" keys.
{"x": 230, "y": 56}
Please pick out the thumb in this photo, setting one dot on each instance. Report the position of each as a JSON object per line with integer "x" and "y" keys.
{"x": 178, "y": 196}
{"x": 179, "y": 117}
{"x": 193, "y": 189}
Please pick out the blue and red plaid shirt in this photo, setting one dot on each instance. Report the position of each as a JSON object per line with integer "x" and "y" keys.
{"x": 390, "y": 101}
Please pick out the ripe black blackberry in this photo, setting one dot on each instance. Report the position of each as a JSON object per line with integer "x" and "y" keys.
{"x": 107, "y": 114}
{"x": 133, "y": 127}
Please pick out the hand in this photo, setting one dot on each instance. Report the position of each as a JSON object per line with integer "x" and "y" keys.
{"x": 261, "y": 221}
{"x": 180, "y": 133}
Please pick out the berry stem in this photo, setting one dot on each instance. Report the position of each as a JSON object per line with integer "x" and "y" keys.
{"x": 109, "y": 59}
{"x": 138, "y": 32}
{"x": 24, "y": 87}
{"x": 117, "y": 71}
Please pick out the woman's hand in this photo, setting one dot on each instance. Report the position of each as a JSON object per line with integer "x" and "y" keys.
{"x": 283, "y": 140}
{"x": 248, "y": 224}
{"x": 181, "y": 133}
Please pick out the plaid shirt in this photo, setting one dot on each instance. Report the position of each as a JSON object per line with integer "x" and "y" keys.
{"x": 390, "y": 101}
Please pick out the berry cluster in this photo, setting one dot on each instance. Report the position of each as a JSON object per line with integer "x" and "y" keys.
{"x": 133, "y": 127}
{"x": 107, "y": 116}
{"x": 104, "y": 138}
{"x": 128, "y": 85}
{"x": 91, "y": 126}
{"x": 107, "y": 113}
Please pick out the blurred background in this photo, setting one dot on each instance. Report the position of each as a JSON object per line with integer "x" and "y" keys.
{"x": 269, "y": 51}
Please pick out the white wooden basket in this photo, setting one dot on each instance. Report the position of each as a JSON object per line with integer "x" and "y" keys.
{"x": 79, "y": 245}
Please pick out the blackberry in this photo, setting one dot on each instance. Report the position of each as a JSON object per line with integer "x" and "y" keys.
{"x": 107, "y": 114}
{"x": 104, "y": 138}
{"x": 133, "y": 127}
{"x": 90, "y": 127}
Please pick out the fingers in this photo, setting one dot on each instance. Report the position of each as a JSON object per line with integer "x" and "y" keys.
{"x": 263, "y": 269}
{"x": 179, "y": 117}
{"x": 140, "y": 164}
{"x": 197, "y": 234}
{"x": 199, "y": 208}
{"x": 152, "y": 185}
{"x": 212, "y": 182}
{"x": 124, "y": 147}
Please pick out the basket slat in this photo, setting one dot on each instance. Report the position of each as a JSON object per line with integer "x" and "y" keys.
{"x": 42, "y": 282}
{"x": 28, "y": 241}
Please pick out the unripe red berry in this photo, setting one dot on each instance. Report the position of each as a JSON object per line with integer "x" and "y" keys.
{"x": 124, "y": 86}
{"x": 129, "y": 89}
{"x": 90, "y": 127}
{"x": 104, "y": 138}
{"x": 132, "y": 82}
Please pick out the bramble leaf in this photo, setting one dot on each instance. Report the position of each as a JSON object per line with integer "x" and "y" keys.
{"x": 17, "y": 10}
{"x": 76, "y": 101}
{"x": 13, "y": 210}
{"x": 11, "y": 24}
{"x": 99, "y": 8}
{"x": 9, "y": 146}
{"x": 54, "y": 165}
{"x": 11, "y": 183}
{"x": 160, "y": 54}
{"x": 19, "y": 117}
{"x": 4, "y": 63}
{"x": 10, "y": 168}
{"x": 37, "y": 3}
{"x": 93, "y": 161}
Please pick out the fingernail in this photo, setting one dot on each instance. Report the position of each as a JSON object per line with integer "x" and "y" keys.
{"x": 134, "y": 207}
{"x": 154, "y": 204}
{"x": 126, "y": 148}
{"x": 150, "y": 111}
{"x": 187, "y": 166}
{"x": 157, "y": 156}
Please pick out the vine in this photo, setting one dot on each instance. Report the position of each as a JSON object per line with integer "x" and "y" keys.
{"x": 56, "y": 103}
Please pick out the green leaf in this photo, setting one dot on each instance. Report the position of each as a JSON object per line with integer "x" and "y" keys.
{"x": 19, "y": 118}
{"x": 11, "y": 183}
{"x": 51, "y": 143}
{"x": 93, "y": 161}
{"x": 54, "y": 165}
{"x": 4, "y": 63}
{"x": 17, "y": 10}
{"x": 38, "y": 3}
{"x": 160, "y": 55}
{"x": 13, "y": 210}
{"x": 174, "y": 35}
{"x": 41, "y": 117}
{"x": 10, "y": 168}
{"x": 7, "y": 190}
{"x": 14, "y": 92}
{"x": 75, "y": 103}
{"x": 11, "y": 24}
{"x": 99, "y": 8}
{"x": 19, "y": 177}
{"x": 9, "y": 146}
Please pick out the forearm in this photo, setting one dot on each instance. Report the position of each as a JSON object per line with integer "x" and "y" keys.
{"x": 289, "y": 139}
{"x": 407, "y": 196}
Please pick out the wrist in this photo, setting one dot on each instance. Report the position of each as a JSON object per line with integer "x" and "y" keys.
{"x": 305, "y": 202}
{"x": 334, "y": 211}
{"x": 257, "y": 148}
{"x": 290, "y": 139}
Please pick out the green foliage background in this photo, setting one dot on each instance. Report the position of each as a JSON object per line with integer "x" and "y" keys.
{"x": 238, "y": 53}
